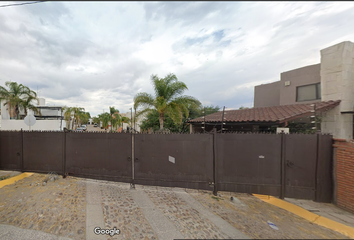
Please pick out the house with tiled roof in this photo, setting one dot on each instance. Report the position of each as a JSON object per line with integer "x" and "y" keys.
{"x": 324, "y": 90}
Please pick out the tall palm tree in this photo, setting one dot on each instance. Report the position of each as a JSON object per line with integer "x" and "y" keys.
{"x": 125, "y": 120}
{"x": 16, "y": 97}
{"x": 104, "y": 117}
{"x": 76, "y": 115}
{"x": 168, "y": 99}
{"x": 116, "y": 121}
{"x": 27, "y": 104}
{"x": 112, "y": 111}
{"x": 67, "y": 115}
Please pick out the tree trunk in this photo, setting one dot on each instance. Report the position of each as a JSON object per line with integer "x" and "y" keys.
{"x": 17, "y": 111}
{"x": 161, "y": 118}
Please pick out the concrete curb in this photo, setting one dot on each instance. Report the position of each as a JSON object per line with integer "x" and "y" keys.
{"x": 14, "y": 179}
{"x": 312, "y": 217}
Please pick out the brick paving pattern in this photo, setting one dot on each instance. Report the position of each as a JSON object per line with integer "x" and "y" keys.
{"x": 57, "y": 208}
{"x": 186, "y": 219}
{"x": 251, "y": 214}
{"x": 120, "y": 211}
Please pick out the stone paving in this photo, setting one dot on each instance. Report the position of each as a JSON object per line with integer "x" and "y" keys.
{"x": 9, "y": 174}
{"x": 59, "y": 208}
{"x": 250, "y": 215}
{"x": 187, "y": 220}
{"x": 56, "y": 208}
{"x": 120, "y": 211}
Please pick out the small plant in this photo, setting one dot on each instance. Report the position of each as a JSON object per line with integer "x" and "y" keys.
{"x": 217, "y": 198}
{"x": 4, "y": 177}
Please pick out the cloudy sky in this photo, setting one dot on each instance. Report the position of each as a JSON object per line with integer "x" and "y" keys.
{"x": 100, "y": 54}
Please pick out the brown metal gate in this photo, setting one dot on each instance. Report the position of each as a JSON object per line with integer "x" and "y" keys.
{"x": 96, "y": 155}
{"x": 285, "y": 165}
{"x": 300, "y": 162}
{"x": 249, "y": 163}
{"x": 174, "y": 160}
{"x": 11, "y": 150}
{"x": 43, "y": 151}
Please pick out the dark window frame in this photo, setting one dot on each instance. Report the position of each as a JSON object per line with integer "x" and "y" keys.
{"x": 318, "y": 95}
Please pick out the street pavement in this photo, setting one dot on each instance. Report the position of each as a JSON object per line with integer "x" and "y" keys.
{"x": 72, "y": 208}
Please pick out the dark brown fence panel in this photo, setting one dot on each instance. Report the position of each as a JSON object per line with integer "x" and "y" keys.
{"x": 174, "y": 160}
{"x": 42, "y": 152}
{"x": 300, "y": 162}
{"x": 105, "y": 156}
{"x": 10, "y": 150}
{"x": 249, "y": 163}
{"x": 324, "y": 185}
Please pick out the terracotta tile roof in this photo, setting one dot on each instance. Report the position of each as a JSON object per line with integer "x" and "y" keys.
{"x": 268, "y": 114}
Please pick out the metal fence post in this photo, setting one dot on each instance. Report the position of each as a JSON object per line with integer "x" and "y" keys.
{"x": 283, "y": 166}
{"x": 316, "y": 198}
{"x": 64, "y": 154}
{"x": 215, "y": 191}
{"x": 132, "y": 185}
{"x": 22, "y": 167}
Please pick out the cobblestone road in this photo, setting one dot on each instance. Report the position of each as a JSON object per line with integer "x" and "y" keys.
{"x": 59, "y": 208}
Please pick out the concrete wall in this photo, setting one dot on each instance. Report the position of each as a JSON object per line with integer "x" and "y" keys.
{"x": 267, "y": 95}
{"x": 337, "y": 83}
{"x": 43, "y": 125}
{"x": 298, "y": 77}
{"x": 277, "y": 93}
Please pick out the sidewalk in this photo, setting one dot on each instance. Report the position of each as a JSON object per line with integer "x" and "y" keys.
{"x": 72, "y": 208}
{"x": 327, "y": 210}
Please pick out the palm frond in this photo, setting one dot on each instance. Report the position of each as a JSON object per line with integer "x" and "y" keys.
{"x": 143, "y": 100}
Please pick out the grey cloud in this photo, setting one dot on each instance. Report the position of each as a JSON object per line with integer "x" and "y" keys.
{"x": 187, "y": 43}
{"x": 218, "y": 35}
{"x": 48, "y": 13}
{"x": 185, "y": 12}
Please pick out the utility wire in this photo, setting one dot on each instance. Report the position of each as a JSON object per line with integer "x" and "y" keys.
{"x": 18, "y": 4}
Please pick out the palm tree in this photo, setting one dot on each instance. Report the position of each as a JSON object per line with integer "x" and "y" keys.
{"x": 116, "y": 120}
{"x": 104, "y": 117}
{"x": 76, "y": 115}
{"x": 112, "y": 111}
{"x": 125, "y": 120}
{"x": 26, "y": 104}
{"x": 95, "y": 120}
{"x": 67, "y": 115}
{"x": 17, "y": 97}
{"x": 168, "y": 99}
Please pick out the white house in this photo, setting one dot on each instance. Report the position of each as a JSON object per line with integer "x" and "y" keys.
{"x": 51, "y": 118}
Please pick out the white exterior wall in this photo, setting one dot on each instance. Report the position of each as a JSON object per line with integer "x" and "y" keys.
{"x": 43, "y": 125}
{"x": 137, "y": 124}
{"x": 4, "y": 111}
{"x": 337, "y": 83}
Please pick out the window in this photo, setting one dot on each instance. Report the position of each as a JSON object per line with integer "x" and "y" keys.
{"x": 308, "y": 92}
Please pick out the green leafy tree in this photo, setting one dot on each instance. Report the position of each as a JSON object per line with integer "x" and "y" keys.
{"x": 168, "y": 99}
{"x": 104, "y": 118}
{"x": 96, "y": 120}
{"x": 113, "y": 111}
{"x": 27, "y": 104}
{"x": 17, "y": 97}
{"x": 75, "y": 114}
{"x": 152, "y": 119}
